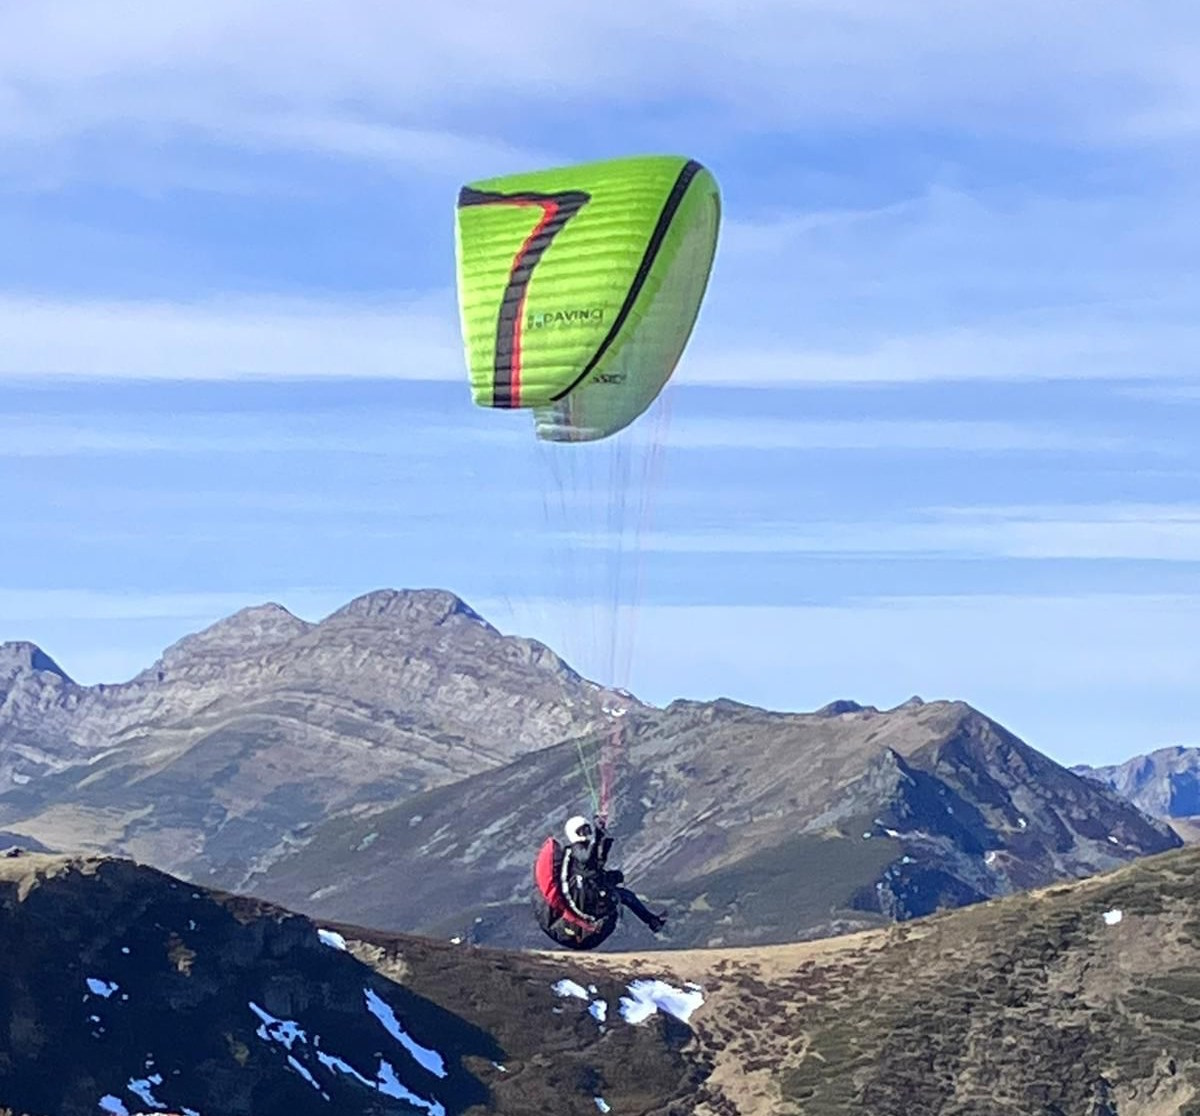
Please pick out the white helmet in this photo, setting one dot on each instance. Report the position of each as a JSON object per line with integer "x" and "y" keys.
{"x": 578, "y": 828}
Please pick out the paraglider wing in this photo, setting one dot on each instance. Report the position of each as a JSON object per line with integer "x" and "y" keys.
{"x": 579, "y": 287}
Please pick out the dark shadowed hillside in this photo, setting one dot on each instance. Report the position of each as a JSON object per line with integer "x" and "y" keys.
{"x": 125, "y": 990}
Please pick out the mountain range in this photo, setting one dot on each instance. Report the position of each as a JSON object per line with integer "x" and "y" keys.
{"x": 245, "y": 733}
{"x": 398, "y": 763}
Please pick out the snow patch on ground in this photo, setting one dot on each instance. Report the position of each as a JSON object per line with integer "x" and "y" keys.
{"x": 333, "y": 1062}
{"x": 307, "y": 1058}
{"x": 332, "y": 939}
{"x": 143, "y": 1089}
{"x": 430, "y": 1059}
{"x": 302, "y": 1070}
{"x": 385, "y": 1082}
{"x": 570, "y": 988}
{"x": 390, "y": 1085}
{"x": 645, "y": 998}
{"x": 286, "y": 1032}
{"x": 1113, "y": 917}
{"x": 649, "y": 996}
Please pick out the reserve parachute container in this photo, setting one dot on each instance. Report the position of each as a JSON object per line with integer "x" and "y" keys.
{"x": 578, "y": 290}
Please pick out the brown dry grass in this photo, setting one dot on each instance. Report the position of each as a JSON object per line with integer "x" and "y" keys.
{"x": 1032, "y": 1004}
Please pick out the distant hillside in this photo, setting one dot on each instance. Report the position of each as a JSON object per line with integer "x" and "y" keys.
{"x": 1165, "y": 784}
{"x": 750, "y": 826}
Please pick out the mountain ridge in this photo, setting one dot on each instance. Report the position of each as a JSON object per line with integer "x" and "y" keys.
{"x": 726, "y": 816}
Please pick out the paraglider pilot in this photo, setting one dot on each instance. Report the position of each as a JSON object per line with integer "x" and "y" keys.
{"x": 577, "y": 898}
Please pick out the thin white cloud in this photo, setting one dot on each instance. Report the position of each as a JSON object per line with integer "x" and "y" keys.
{"x": 1163, "y": 393}
{"x": 1068, "y": 351}
{"x": 1117, "y": 513}
{"x": 1167, "y": 533}
{"x": 73, "y": 67}
{"x": 1003, "y": 284}
{"x": 19, "y": 605}
{"x": 887, "y": 435}
{"x": 53, "y": 436}
{"x": 233, "y": 434}
{"x": 752, "y": 239}
{"x": 260, "y": 338}
{"x": 227, "y": 503}
{"x": 433, "y": 151}
{"x": 1077, "y": 676}
{"x": 235, "y": 338}
{"x": 1032, "y": 642}
{"x": 1048, "y": 280}
{"x": 1147, "y": 532}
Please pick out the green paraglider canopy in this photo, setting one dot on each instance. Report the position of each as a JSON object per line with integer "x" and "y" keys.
{"x": 579, "y": 287}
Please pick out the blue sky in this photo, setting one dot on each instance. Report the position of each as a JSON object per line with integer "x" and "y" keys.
{"x": 936, "y": 431}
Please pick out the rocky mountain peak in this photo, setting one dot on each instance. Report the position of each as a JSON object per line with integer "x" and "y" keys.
{"x": 422, "y": 608}
{"x": 253, "y": 629}
{"x": 396, "y": 693}
{"x": 837, "y": 708}
{"x": 21, "y": 656}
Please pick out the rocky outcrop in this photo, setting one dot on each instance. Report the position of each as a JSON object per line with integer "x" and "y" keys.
{"x": 1165, "y": 783}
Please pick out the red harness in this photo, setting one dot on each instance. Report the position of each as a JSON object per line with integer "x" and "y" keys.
{"x": 545, "y": 874}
